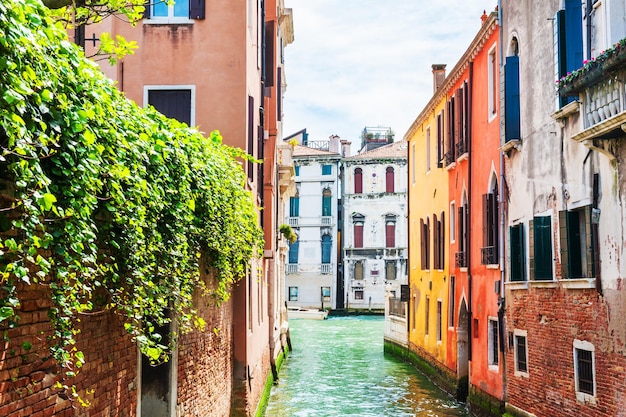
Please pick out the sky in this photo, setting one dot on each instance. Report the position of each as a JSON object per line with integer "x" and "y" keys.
{"x": 358, "y": 63}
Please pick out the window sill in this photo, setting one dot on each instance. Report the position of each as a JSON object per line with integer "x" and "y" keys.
{"x": 493, "y": 266}
{"x": 585, "y": 398}
{"x": 168, "y": 21}
{"x": 464, "y": 156}
{"x": 544, "y": 283}
{"x": 521, "y": 374}
{"x": 566, "y": 110}
{"x": 463, "y": 269}
{"x": 516, "y": 285}
{"x": 494, "y": 368}
{"x": 450, "y": 166}
{"x": 579, "y": 283}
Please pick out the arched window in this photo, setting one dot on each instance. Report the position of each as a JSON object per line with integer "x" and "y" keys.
{"x": 358, "y": 220}
{"x": 358, "y": 181}
{"x": 326, "y": 248}
{"x": 327, "y": 202}
{"x": 389, "y": 180}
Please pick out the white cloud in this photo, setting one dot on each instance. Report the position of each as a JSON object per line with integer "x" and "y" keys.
{"x": 357, "y": 63}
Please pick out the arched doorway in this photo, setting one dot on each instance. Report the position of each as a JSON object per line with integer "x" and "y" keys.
{"x": 462, "y": 349}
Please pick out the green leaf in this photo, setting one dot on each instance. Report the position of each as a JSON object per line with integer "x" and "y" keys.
{"x": 6, "y": 313}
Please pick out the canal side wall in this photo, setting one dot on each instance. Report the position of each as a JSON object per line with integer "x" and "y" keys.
{"x": 439, "y": 375}
{"x": 483, "y": 404}
{"x": 272, "y": 379}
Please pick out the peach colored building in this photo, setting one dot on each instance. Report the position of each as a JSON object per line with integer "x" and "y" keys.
{"x": 219, "y": 66}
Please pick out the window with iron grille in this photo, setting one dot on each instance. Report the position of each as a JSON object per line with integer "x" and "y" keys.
{"x": 489, "y": 251}
{"x": 584, "y": 369}
{"x": 521, "y": 353}
{"x": 493, "y": 342}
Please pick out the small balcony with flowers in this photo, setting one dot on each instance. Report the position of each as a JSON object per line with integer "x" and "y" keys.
{"x": 599, "y": 86}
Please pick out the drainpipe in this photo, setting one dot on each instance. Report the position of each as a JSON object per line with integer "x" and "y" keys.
{"x": 469, "y": 209}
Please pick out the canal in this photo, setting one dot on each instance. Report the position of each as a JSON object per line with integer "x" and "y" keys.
{"x": 338, "y": 368}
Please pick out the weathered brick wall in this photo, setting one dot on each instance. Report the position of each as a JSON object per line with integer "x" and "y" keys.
{"x": 553, "y": 318}
{"x": 28, "y": 376}
{"x": 108, "y": 380}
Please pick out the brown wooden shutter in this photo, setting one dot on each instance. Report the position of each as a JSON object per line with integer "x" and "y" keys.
{"x": 390, "y": 235}
{"x": 486, "y": 219}
{"x": 435, "y": 242}
{"x": 442, "y": 231}
{"x": 358, "y": 235}
{"x": 279, "y": 94}
{"x": 563, "y": 238}
{"x": 422, "y": 245}
{"x": 269, "y": 62}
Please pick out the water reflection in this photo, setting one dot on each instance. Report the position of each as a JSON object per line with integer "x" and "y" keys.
{"x": 338, "y": 368}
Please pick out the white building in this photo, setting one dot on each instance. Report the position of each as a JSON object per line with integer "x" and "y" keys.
{"x": 375, "y": 226}
{"x": 311, "y": 270}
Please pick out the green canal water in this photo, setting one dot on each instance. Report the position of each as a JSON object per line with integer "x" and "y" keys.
{"x": 337, "y": 368}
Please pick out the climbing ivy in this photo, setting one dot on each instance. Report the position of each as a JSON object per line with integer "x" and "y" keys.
{"x": 109, "y": 205}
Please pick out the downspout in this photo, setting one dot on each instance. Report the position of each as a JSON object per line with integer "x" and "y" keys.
{"x": 501, "y": 214}
{"x": 469, "y": 209}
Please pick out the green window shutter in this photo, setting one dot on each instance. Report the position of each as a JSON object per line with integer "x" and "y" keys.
{"x": 564, "y": 246}
{"x": 591, "y": 266}
{"x": 516, "y": 235}
{"x": 542, "y": 248}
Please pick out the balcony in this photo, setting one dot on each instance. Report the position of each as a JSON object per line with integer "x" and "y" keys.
{"x": 460, "y": 259}
{"x": 600, "y": 88}
{"x": 327, "y": 220}
{"x": 449, "y": 158}
{"x": 292, "y": 269}
{"x": 489, "y": 255}
{"x": 461, "y": 150}
{"x": 326, "y": 269}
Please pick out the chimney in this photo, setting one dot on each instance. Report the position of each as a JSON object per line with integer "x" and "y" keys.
{"x": 439, "y": 75}
{"x": 333, "y": 143}
{"x": 345, "y": 148}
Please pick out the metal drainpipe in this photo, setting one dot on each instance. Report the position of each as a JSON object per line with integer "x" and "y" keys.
{"x": 469, "y": 208}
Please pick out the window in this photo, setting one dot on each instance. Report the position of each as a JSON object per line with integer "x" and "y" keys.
{"x": 390, "y": 270}
{"x": 452, "y": 222}
{"x": 390, "y": 231}
{"x": 439, "y": 241}
{"x": 449, "y": 156}
{"x": 461, "y": 256}
{"x": 440, "y": 139}
{"x": 358, "y": 181}
{"x": 439, "y": 320}
{"x": 577, "y": 248}
{"x": 327, "y": 169}
{"x": 425, "y": 243}
{"x": 517, "y": 247}
{"x": 358, "y": 295}
{"x": 493, "y": 82}
{"x": 293, "y": 252}
{"x": 541, "y": 257}
{"x": 521, "y": 352}
{"x": 389, "y": 180}
{"x": 327, "y": 202}
{"x": 512, "y": 129}
{"x": 181, "y": 10}
{"x": 358, "y": 220}
{"x": 297, "y": 169}
{"x": 174, "y": 102}
{"x": 294, "y": 206}
{"x": 451, "y": 299}
{"x": 568, "y": 42}
{"x": 489, "y": 251}
{"x": 358, "y": 270}
{"x": 293, "y": 293}
{"x": 493, "y": 342}
{"x": 584, "y": 370}
{"x": 326, "y": 248}
{"x": 427, "y": 149}
{"x": 427, "y": 315}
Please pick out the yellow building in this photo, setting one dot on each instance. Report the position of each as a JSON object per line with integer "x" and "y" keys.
{"x": 429, "y": 236}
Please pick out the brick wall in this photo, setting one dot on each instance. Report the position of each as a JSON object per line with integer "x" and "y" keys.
{"x": 553, "y": 318}
{"x": 108, "y": 380}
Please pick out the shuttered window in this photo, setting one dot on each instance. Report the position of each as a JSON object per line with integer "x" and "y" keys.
{"x": 358, "y": 270}
{"x": 326, "y": 248}
{"x": 358, "y": 181}
{"x": 440, "y": 130}
{"x": 516, "y": 235}
{"x": 294, "y": 206}
{"x": 172, "y": 103}
{"x": 390, "y": 234}
{"x": 568, "y": 42}
{"x": 293, "y": 252}
{"x": 511, "y": 99}
{"x": 389, "y": 180}
{"x": 358, "y": 235}
{"x": 576, "y": 234}
{"x": 489, "y": 250}
{"x": 327, "y": 203}
{"x": 541, "y": 242}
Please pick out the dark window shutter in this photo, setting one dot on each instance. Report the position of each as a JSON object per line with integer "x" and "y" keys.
{"x": 574, "y": 245}
{"x": 435, "y": 242}
{"x": 543, "y": 247}
{"x": 422, "y": 244}
{"x": 293, "y": 252}
{"x": 196, "y": 9}
{"x": 294, "y": 206}
{"x": 146, "y": 10}
{"x": 270, "y": 64}
{"x": 250, "y": 149}
{"x": 511, "y": 99}
{"x": 589, "y": 243}
{"x": 564, "y": 245}
{"x": 517, "y": 252}
{"x": 442, "y": 231}
{"x": 466, "y": 114}
{"x": 172, "y": 103}
{"x": 390, "y": 235}
{"x": 427, "y": 243}
{"x": 279, "y": 94}
{"x": 486, "y": 217}
{"x": 573, "y": 35}
{"x": 439, "y": 140}
{"x": 460, "y": 229}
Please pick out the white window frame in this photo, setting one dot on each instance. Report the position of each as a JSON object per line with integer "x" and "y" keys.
{"x": 524, "y": 334}
{"x": 191, "y": 87}
{"x": 583, "y": 396}
{"x": 169, "y": 19}
{"x": 494, "y": 362}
